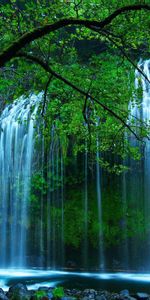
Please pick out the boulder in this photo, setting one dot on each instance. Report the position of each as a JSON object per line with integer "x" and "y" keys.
{"x": 142, "y": 296}
{"x": 18, "y": 291}
{"x": 90, "y": 293}
{"x": 125, "y": 293}
{"x": 2, "y": 295}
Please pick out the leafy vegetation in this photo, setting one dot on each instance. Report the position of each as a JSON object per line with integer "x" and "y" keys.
{"x": 58, "y": 292}
{"x": 39, "y": 295}
{"x": 104, "y": 70}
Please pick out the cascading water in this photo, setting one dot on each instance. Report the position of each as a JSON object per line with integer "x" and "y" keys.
{"x": 136, "y": 188}
{"x": 23, "y": 240}
{"x": 85, "y": 206}
{"x": 16, "y": 152}
{"x": 55, "y": 205}
{"x": 99, "y": 205}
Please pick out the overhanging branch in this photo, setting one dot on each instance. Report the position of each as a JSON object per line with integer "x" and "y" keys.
{"x": 125, "y": 55}
{"x": 69, "y": 83}
{"x": 39, "y": 32}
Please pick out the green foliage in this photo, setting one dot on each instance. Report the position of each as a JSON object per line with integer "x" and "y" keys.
{"x": 39, "y": 295}
{"x": 39, "y": 184}
{"x": 58, "y": 292}
{"x": 90, "y": 60}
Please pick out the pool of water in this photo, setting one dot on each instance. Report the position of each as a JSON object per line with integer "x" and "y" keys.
{"x": 113, "y": 282}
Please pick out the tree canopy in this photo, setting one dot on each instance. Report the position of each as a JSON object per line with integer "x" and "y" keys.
{"x": 83, "y": 55}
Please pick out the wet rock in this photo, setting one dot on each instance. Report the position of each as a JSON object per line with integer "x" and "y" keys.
{"x": 85, "y": 298}
{"x": 115, "y": 296}
{"x": 125, "y": 293}
{"x": 90, "y": 293}
{"x": 18, "y": 291}
{"x": 2, "y": 295}
{"x": 100, "y": 297}
{"x": 69, "y": 292}
{"x": 73, "y": 293}
{"x": 105, "y": 294}
{"x": 49, "y": 295}
{"x": 68, "y": 298}
{"x": 142, "y": 296}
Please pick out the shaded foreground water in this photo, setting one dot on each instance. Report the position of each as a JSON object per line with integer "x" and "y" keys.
{"x": 113, "y": 282}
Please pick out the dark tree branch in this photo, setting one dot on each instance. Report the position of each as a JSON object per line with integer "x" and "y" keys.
{"x": 84, "y": 111}
{"x": 67, "y": 82}
{"x": 76, "y": 5}
{"x": 125, "y": 55}
{"x": 39, "y": 32}
{"x": 86, "y": 114}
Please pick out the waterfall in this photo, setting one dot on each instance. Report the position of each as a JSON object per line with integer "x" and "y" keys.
{"x": 55, "y": 203}
{"x": 145, "y": 115}
{"x": 125, "y": 246}
{"x": 85, "y": 207}
{"x": 136, "y": 189}
{"x": 22, "y": 156}
{"x": 16, "y": 152}
{"x": 99, "y": 205}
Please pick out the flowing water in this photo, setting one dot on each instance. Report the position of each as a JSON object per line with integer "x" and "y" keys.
{"x": 99, "y": 206}
{"x": 16, "y": 154}
{"x": 20, "y": 157}
{"x": 136, "y": 182}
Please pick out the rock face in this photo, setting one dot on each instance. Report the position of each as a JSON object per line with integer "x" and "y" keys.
{"x": 20, "y": 292}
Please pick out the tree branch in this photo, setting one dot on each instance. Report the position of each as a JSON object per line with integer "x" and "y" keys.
{"x": 125, "y": 55}
{"x": 67, "y": 82}
{"x": 39, "y": 32}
